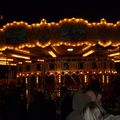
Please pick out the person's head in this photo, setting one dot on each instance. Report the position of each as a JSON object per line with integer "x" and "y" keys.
{"x": 79, "y": 101}
{"x": 92, "y": 111}
{"x": 94, "y": 92}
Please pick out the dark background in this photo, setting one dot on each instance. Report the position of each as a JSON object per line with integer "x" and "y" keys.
{"x": 33, "y": 11}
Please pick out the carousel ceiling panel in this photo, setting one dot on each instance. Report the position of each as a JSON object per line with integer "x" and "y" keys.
{"x": 38, "y": 51}
{"x": 62, "y": 50}
{"x": 69, "y": 50}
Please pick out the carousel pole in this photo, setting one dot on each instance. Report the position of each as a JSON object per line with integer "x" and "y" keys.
{"x": 43, "y": 76}
{"x": 7, "y": 70}
{"x": 27, "y": 82}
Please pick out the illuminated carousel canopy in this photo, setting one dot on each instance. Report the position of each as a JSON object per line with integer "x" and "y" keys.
{"x": 68, "y": 37}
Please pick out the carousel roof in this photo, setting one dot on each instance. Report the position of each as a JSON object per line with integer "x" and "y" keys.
{"x": 20, "y": 41}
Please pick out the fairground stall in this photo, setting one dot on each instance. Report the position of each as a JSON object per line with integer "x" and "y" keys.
{"x": 50, "y": 55}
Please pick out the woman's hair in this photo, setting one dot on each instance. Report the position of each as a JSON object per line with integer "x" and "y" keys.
{"x": 92, "y": 111}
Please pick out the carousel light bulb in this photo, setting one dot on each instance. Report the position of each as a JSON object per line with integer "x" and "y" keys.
{"x": 37, "y": 80}
{"x": 59, "y": 79}
{"x": 85, "y": 78}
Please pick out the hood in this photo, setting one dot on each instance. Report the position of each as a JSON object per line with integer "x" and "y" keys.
{"x": 79, "y": 101}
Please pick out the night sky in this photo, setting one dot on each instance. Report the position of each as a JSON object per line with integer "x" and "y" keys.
{"x": 55, "y": 10}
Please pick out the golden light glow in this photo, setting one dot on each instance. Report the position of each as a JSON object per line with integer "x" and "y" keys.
{"x": 65, "y": 20}
{"x": 3, "y": 63}
{"x": 38, "y": 73}
{"x": 85, "y": 78}
{"x": 88, "y": 53}
{"x": 5, "y": 59}
{"x": 114, "y": 54}
{"x": 70, "y": 49}
{"x": 51, "y": 73}
{"x": 17, "y": 76}
{"x": 103, "y": 79}
{"x": 24, "y": 51}
{"x": 116, "y": 61}
{"x": 103, "y": 21}
{"x": 86, "y": 48}
{"x": 94, "y": 72}
{"x": 81, "y": 72}
{"x": 40, "y": 60}
{"x": 19, "y": 62}
{"x": 20, "y": 56}
{"x": 12, "y": 64}
{"x": 104, "y": 44}
{"x": 59, "y": 79}
{"x": 52, "y": 53}
{"x": 37, "y": 80}
{"x": 66, "y": 72}
{"x": 28, "y": 61}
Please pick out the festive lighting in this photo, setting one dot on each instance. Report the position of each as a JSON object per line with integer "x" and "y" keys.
{"x": 70, "y": 49}
{"x": 104, "y": 44}
{"x": 107, "y": 81}
{"x": 28, "y": 61}
{"x": 51, "y": 73}
{"x": 20, "y": 56}
{"x": 5, "y": 59}
{"x": 103, "y": 21}
{"x": 94, "y": 72}
{"x": 87, "y": 72}
{"x": 34, "y": 41}
{"x": 116, "y": 61}
{"x": 19, "y": 62}
{"x": 59, "y": 79}
{"x": 12, "y": 64}
{"x": 85, "y": 78}
{"x": 114, "y": 54}
{"x": 37, "y": 80}
{"x": 52, "y": 53}
{"x": 40, "y": 60}
{"x": 88, "y": 53}
{"x": 3, "y": 63}
{"x": 103, "y": 79}
{"x": 27, "y": 74}
{"x": 86, "y": 48}
{"x": 17, "y": 76}
{"x": 24, "y": 51}
{"x": 66, "y": 72}
{"x": 66, "y": 20}
{"x": 23, "y": 74}
{"x": 81, "y": 72}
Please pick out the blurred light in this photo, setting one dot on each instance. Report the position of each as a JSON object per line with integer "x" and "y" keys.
{"x": 20, "y": 56}
{"x": 70, "y": 49}
{"x": 88, "y": 53}
{"x": 52, "y": 53}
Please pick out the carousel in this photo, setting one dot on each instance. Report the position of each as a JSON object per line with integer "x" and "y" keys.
{"x": 50, "y": 55}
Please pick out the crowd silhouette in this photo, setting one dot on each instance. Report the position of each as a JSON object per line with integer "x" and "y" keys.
{"x": 14, "y": 104}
